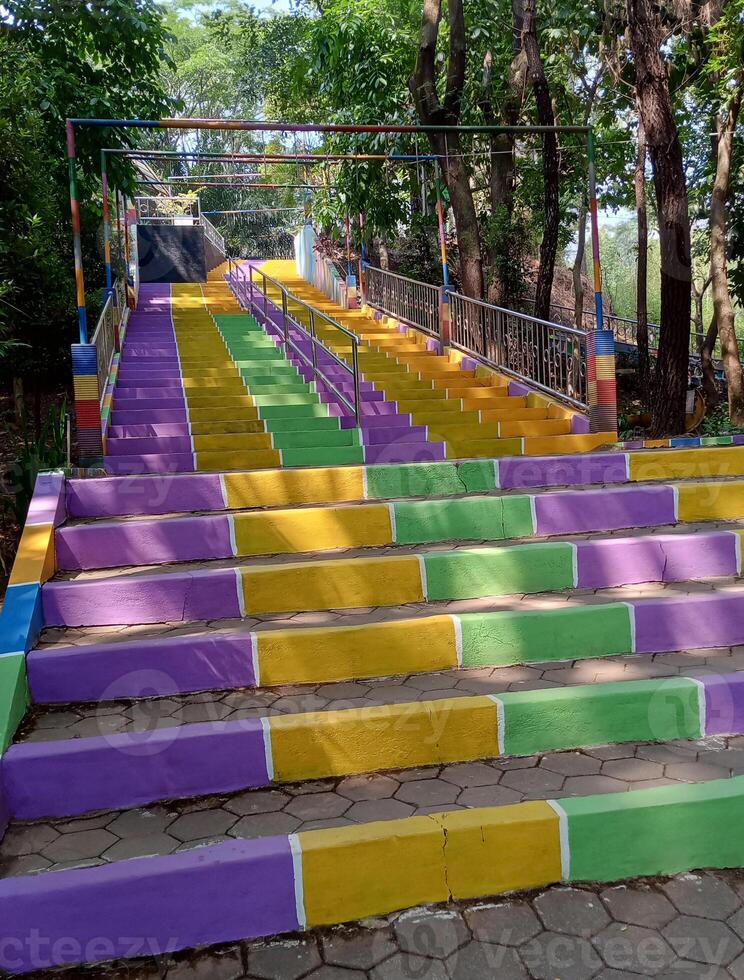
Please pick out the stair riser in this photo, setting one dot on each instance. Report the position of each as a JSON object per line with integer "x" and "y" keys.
{"x": 370, "y": 525}
{"x": 117, "y": 771}
{"x": 99, "y": 498}
{"x": 279, "y": 884}
{"x": 177, "y": 665}
{"x": 363, "y": 582}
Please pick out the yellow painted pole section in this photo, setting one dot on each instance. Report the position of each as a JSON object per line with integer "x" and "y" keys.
{"x": 34, "y": 561}
{"x": 310, "y": 486}
{"x": 686, "y": 463}
{"x": 315, "y": 744}
{"x": 307, "y": 656}
{"x": 336, "y": 584}
{"x": 375, "y": 868}
{"x": 313, "y": 529}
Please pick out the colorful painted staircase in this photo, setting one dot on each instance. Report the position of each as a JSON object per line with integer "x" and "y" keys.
{"x": 474, "y": 411}
{"x": 269, "y": 700}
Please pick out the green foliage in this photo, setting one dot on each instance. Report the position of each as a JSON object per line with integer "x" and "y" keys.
{"x": 45, "y": 451}
{"x": 718, "y": 423}
{"x": 97, "y": 59}
{"x": 510, "y": 239}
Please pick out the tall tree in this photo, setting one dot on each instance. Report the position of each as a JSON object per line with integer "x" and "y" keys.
{"x": 448, "y": 146}
{"x": 644, "y": 358}
{"x": 525, "y": 25}
{"x": 657, "y": 115}
{"x": 727, "y": 75}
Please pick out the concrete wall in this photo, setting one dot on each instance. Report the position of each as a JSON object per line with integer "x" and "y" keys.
{"x": 171, "y": 253}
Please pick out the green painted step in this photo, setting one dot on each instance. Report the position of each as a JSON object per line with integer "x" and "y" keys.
{"x": 268, "y": 369}
{"x": 312, "y": 439}
{"x": 271, "y": 379}
{"x": 298, "y": 387}
{"x": 317, "y": 410}
{"x": 465, "y": 520}
{"x": 303, "y": 424}
{"x": 246, "y": 353}
{"x": 327, "y": 456}
{"x": 271, "y": 401}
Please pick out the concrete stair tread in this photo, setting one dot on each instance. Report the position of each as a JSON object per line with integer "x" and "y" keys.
{"x": 72, "y": 720}
{"x": 144, "y": 831}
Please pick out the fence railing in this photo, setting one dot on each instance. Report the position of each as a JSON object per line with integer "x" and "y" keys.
{"x": 212, "y": 235}
{"x": 415, "y": 302}
{"x": 300, "y": 325}
{"x": 547, "y": 356}
{"x": 106, "y": 335}
{"x": 172, "y": 210}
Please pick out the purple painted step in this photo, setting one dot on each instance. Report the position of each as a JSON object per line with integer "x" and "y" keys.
{"x": 109, "y": 545}
{"x": 214, "y": 593}
{"x": 659, "y": 558}
{"x": 129, "y": 417}
{"x": 134, "y": 768}
{"x": 145, "y": 495}
{"x": 152, "y": 446}
{"x": 144, "y": 430}
{"x": 157, "y": 667}
{"x": 379, "y": 435}
{"x": 604, "y": 510}
{"x": 518, "y": 472}
{"x": 134, "y": 465}
{"x": 239, "y": 889}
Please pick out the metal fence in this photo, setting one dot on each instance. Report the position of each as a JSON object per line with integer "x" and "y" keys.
{"x": 547, "y": 356}
{"x": 414, "y": 302}
{"x": 106, "y": 335}
{"x": 212, "y": 235}
{"x": 169, "y": 210}
{"x": 301, "y": 324}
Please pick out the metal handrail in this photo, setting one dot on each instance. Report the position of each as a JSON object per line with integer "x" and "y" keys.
{"x": 106, "y": 335}
{"x": 547, "y": 356}
{"x": 412, "y": 301}
{"x": 244, "y": 288}
{"x": 211, "y": 234}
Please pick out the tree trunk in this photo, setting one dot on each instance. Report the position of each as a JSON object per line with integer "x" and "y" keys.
{"x": 722, "y": 305}
{"x": 707, "y": 366}
{"x": 644, "y": 358}
{"x": 545, "y": 117}
{"x": 578, "y": 281}
{"x": 655, "y": 106}
{"x": 423, "y": 86}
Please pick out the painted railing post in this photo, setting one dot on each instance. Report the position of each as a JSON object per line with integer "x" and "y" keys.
{"x": 87, "y": 403}
{"x": 77, "y": 247}
{"x": 444, "y": 316}
{"x": 106, "y": 228}
{"x": 601, "y": 383}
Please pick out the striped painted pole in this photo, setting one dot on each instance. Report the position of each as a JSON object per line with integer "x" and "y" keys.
{"x": 595, "y": 231}
{"x": 444, "y": 311}
{"x": 76, "y": 243}
{"x": 362, "y": 257}
{"x": 106, "y": 225}
{"x": 600, "y": 343}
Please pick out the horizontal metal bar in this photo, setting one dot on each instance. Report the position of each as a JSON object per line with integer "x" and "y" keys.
{"x": 581, "y": 334}
{"x": 258, "y": 125}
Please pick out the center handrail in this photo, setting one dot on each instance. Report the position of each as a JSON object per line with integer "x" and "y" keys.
{"x": 245, "y": 286}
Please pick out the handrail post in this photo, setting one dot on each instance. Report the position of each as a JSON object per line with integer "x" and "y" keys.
{"x": 250, "y": 288}
{"x": 357, "y": 394}
{"x": 285, "y": 318}
{"x": 313, "y": 350}
{"x": 444, "y": 317}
